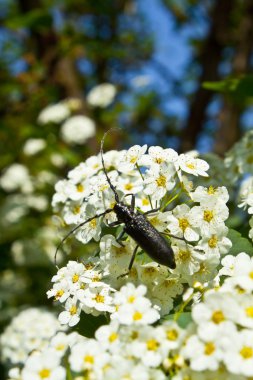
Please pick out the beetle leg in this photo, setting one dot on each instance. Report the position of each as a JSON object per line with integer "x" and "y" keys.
{"x": 76, "y": 228}
{"x": 130, "y": 264}
{"x": 151, "y": 211}
{"x": 114, "y": 224}
{"x": 119, "y": 237}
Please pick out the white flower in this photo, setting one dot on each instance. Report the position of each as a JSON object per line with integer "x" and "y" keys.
{"x": 29, "y": 330}
{"x": 97, "y": 298}
{"x": 109, "y": 336}
{"x": 43, "y": 365}
{"x": 101, "y": 95}
{"x": 216, "y": 309}
{"x": 157, "y": 156}
{"x": 150, "y": 347}
{"x": 87, "y": 355}
{"x": 16, "y": 176}
{"x": 188, "y": 259}
{"x": 243, "y": 272}
{"x": 78, "y": 129}
{"x": 159, "y": 180}
{"x": 89, "y": 230}
{"x": 191, "y": 165}
{"x": 209, "y": 217}
{"x": 180, "y": 224}
{"x": 216, "y": 243}
{"x": 33, "y": 146}
{"x": 71, "y": 316}
{"x": 132, "y": 157}
{"x": 140, "y": 312}
{"x": 202, "y": 354}
{"x": 210, "y": 194}
{"x": 54, "y": 113}
{"x": 238, "y": 353}
{"x": 60, "y": 291}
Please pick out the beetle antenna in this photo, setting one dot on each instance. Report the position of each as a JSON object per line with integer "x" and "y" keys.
{"x": 103, "y": 164}
{"x": 76, "y": 228}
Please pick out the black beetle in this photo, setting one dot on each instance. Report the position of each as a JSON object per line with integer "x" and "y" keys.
{"x": 136, "y": 225}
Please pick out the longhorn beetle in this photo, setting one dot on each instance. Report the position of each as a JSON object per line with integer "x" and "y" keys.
{"x": 136, "y": 225}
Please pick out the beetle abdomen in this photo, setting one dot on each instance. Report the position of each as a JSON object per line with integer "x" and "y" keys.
{"x": 150, "y": 240}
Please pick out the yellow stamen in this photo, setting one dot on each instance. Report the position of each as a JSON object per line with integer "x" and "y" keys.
{"x": 183, "y": 223}
{"x": 190, "y": 165}
{"x": 249, "y": 311}
{"x": 145, "y": 202}
{"x": 73, "y": 310}
{"x": 93, "y": 223}
{"x": 89, "y": 359}
{"x": 80, "y": 187}
{"x": 152, "y": 345}
{"x": 172, "y": 334}
{"x": 251, "y": 275}
{"x": 161, "y": 181}
{"x": 131, "y": 299}
{"x": 75, "y": 278}
{"x": 99, "y": 298}
{"x": 212, "y": 242}
{"x": 113, "y": 337}
{"x": 44, "y": 373}
{"x": 211, "y": 190}
{"x": 137, "y": 316}
{"x": 59, "y": 294}
{"x": 76, "y": 210}
{"x": 246, "y": 352}
{"x": 218, "y": 317}
{"x": 208, "y": 215}
{"x": 128, "y": 186}
{"x": 209, "y": 348}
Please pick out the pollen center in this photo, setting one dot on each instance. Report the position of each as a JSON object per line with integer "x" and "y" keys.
{"x": 212, "y": 242}
{"x": 161, "y": 181}
{"x": 131, "y": 299}
{"x": 208, "y": 215}
{"x": 80, "y": 188}
{"x": 251, "y": 275}
{"x": 73, "y": 310}
{"x": 137, "y": 316}
{"x": 152, "y": 345}
{"x": 218, "y": 317}
{"x": 93, "y": 223}
{"x": 209, "y": 348}
{"x": 211, "y": 190}
{"x": 249, "y": 311}
{"x": 113, "y": 337}
{"x": 88, "y": 359}
{"x": 75, "y": 278}
{"x": 190, "y": 165}
{"x": 44, "y": 373}
{"x": 76, "y": 210}
{"x": 183, "y": 223}
{"x": 172, "y": 334}
{"x": 59, "y": 293}
{"x": 99, "y": 298}
{"x": 128, "y": 186}
{"x": 246, "y": 352}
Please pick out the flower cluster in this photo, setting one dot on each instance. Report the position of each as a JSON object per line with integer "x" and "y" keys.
{"x": 239, "y": 161}
{"x": 223, "y": 323}
{"x": 193, "y": 219}
{"x": 30, "y": 330}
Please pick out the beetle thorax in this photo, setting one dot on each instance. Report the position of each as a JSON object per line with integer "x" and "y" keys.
{"x": 123, "y": 212}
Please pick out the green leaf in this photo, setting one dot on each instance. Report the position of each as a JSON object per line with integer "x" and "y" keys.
{"x": 36, "y": 19}
{"x": 240, "y": 243}
{"x": 240, "y": 89}
{"x": 89, "y": 324}
{"x": 183, "y": 320}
